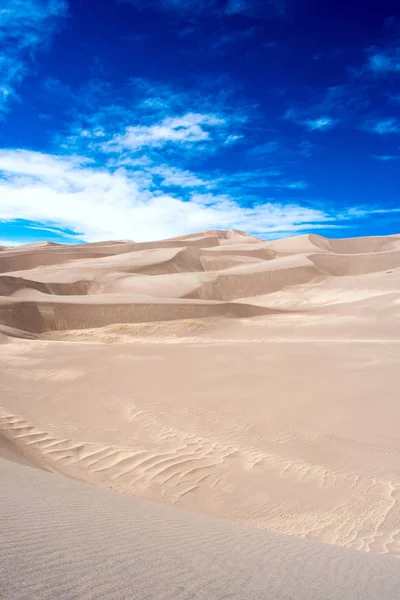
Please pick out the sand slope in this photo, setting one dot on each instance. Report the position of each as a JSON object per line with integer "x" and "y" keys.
{"x": 54, "y": 287}
{"x": 66, "y": 540}
{"x": 250, "y": 380}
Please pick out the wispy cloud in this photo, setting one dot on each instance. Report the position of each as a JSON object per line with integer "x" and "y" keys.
{"x": 271, "y": 147}
{"x": 70, "y": 192}
{"x": 140, "y": 160}
{"x": 249, "y": 185}
{"x": 187, "y": 129}
{"x": 368, "y": 211}
{"x": 305, "y": 148}
{"x": 25, "y": 28}
{"x": 211, "y": 27}
{"x": 250, "y": 8}
{"x": 383, "y": 62}
{"x": 218, "y": 36}
{"x": 385, "y": 157}
{"x": 25, "y": 23}
{"x": 332, "y": 106}
{"x": 280, "y": 152}
{"x": 136, "y": 164}
{"x": 57, "y": 91}
{"x": 11, "y": 243}
{"x": 258, "y": 8}
{"x": 62, "y": 233}
{"x": 320, "y": 123}
{"x": 383, "y": 126}
{"x": 155, "y": 121}
{"x": 231, "y": 37}
{"x": 326, "y": 108}
{"x": 98, "y": 104}
{"x": 99, "y": 203}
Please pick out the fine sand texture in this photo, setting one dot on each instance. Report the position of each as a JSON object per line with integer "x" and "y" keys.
{"x": 66, "y": 540}
{"x": 218, "y": 373}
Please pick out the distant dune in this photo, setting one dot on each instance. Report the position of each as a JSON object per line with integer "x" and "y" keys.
{"x": 52, "y": 287}
{"x": 216, "y": 372}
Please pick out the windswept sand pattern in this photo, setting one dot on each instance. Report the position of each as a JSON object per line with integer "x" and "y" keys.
{"x": 97, "y": 544}
{"x": 251, "y": 380}
{"x": 209, "y": 470}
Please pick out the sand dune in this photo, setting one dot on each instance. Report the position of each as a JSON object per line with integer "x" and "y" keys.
{"x": 82, "y": 543}
{"x": 313, "y": 242}
{"x": 251, "y": 380}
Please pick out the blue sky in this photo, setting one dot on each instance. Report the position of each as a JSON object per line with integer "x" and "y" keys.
{"x": 145, "y": 119}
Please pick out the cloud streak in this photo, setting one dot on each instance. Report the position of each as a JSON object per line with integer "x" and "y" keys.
{"x": 190, "y": 128}
{"x": 385, "y": 157}
{"x": 320, "y": 123}
{"x": 383, "y": 62}
{"x": 70, "y": 192}
{"x": 166, "y": 146}
{"x": 98, "y": 203}
{"x": 249, "y": 8}
{"x": 387, "y": 126}
{"x": 25, "y": 27}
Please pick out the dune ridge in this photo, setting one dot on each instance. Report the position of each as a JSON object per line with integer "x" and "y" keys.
{"x": 216, "y": 267}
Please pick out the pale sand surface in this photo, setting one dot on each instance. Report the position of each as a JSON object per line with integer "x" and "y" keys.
{"x": 65, "y": 540}
{"x": 250, "y": 380}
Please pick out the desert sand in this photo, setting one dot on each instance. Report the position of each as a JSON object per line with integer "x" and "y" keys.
{"x": 217, "y": 373}
{"x": 65, "y": 540}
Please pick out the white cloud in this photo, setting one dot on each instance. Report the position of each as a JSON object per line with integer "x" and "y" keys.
{"x": 64, "y": 236}
{"x": 96, "y": 203}
{"x": 155, "y": 119}
{"x": 189, "y": 128}
{"x": 163, "y": 145}
{"x": 10, "y": 243}
{"x": 67, "y": 192}
{"x": 25, "y": 27}
{"x": 330, "y": 107}
{"x": 384, "y": 62}
{"x": 294, "y": 185}
{"x": 232, "y": 139}
{"x": 29, "y": 24}
{"x": 321, "y": 123}
{"x": 368, "y": 211}
{"x": 385, "y": 157}
{"x": 172, "y": 176}
{"x": 382, "y": 127}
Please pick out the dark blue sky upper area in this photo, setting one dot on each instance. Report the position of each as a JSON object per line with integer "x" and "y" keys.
{"x": 252, "y": 109}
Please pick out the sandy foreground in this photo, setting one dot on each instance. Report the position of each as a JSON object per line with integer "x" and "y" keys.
{"x": 218, "y": 373}
{"x": 65, "y": 540}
